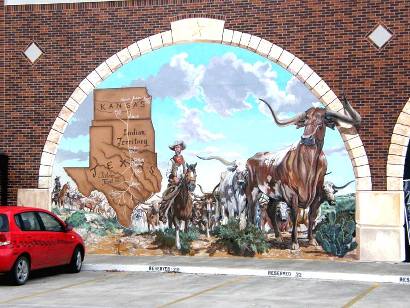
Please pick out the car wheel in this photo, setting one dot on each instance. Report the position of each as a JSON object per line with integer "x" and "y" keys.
{"x": 20, "y": 272}
{"x": 76, "y": 261}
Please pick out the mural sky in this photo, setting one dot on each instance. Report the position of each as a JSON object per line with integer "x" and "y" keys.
{"x": 207, "y": 95}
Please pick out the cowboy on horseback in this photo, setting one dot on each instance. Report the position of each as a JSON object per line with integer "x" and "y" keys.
{"x": 176, "y": 170}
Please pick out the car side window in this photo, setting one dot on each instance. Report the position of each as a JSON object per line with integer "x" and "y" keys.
{"x": 50, "y": 223}
{"x": 28, "y": 221}
{"x": 4, "y": 223}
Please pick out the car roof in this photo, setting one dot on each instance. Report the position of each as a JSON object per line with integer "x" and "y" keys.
{"x": 19, "y": 209}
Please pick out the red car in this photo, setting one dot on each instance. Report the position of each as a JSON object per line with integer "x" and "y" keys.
{"x": 32, "y": 238}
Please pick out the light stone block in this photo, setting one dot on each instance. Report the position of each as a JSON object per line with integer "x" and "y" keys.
{"x": 285, "y": 59}
{"x": 197, "y": 29}
{"x": 394, "y": 183}
{"x": 124, "y": 56}
{"x": 396, "y": 159}
{"x": 295, "y": 66}
{"x": 328, "y": 98}
{"x": 44, "y": 182}
{"x": 144, "y": 45}
{"x": 167, "y": 38}
{"x": 320, "y": 89}
{"x": 245, "y": 39}
{"x": 394, "y": 170}
{"x": 364, "y": 184}
{"x": 358, "y": 152}
{"x": 156, "y": 41}
{"x": 50, "y": 147}
{"x": 103, "y": 70}
{"x": 227, "y": 36}
{"x": 47, "y": 159}
{"x": 54, "y": 136}
{"x": 38, "y": 198}
{"x": 60, "y": 125}
{"x": 78, "y": 95}
{"x": 313, "y": 80}
{"x": 406, "y": 108}
{"x": 264, "y": 47}
{"x": 134, "y": 50}
{"x": 65, "y": 114}
{"x": 94, "y": 78}
{"x": 404, "y": 118}
{"x": 335, "y": 106}
{"x": 353, "y": 143}
{"x": 401, "y": 129}
{"x": 72, "y": 105}
{"x": 347, "y": 136}
{"x": 360, "y": 161}
{"x": 396, "y": 149}
{"x": 380, "y": 208}
{"x": 362, "y": 171}
{"x": 275, "y": 53}
{"x": 45, "y": 170}
{"x": 86, "y": 86}
{"x": 236, "y": 37}
{"x": 385, "y": 244}
{"x": 399, "y": 139}
{"x": 114, "y": 63}
{"x": 304, "y": 73}
{"x": 254, "y": 43}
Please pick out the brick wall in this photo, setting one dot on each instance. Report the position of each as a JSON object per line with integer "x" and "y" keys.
{"x": 327, "y": 35}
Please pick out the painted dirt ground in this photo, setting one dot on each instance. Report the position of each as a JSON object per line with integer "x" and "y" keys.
{"x": 142, "y": 245}
{"x": 103, "y": 236}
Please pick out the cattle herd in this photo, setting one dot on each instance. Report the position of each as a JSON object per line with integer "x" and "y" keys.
{"x": 280, "y": 190}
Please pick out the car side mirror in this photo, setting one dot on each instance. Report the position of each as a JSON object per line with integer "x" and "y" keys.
{"x": 68, "y": 227}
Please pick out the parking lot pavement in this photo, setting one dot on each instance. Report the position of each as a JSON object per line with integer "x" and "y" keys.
{"x": 125, "y": 289}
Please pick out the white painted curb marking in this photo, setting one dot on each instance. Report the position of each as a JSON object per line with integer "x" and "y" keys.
{"x": 278, "y": 273}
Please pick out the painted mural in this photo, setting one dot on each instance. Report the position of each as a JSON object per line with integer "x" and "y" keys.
{"x": 206, "y": 149}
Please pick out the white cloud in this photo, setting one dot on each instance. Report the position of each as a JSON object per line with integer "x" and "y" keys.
{"x": 192, "y": 128}
{"x": 179, "y": 79}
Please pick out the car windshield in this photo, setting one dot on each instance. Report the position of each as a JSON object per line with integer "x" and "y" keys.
{"x": 4, "y": 223}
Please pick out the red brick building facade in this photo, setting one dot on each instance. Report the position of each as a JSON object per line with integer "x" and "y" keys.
{"x": 329, "y": 36}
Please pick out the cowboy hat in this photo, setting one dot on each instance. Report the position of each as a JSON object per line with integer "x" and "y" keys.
{"x": 177, "y": 142}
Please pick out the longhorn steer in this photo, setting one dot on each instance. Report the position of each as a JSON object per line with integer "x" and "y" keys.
{"x": 231, "y": 188}
{"x": 295, "y": 175}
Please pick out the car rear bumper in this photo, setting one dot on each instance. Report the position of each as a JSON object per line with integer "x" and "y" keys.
{"x": 7, "y": 259}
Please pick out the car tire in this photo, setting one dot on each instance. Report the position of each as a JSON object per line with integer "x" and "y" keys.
{"x": 20, "y": 271}
{"x": 76, "y": 261}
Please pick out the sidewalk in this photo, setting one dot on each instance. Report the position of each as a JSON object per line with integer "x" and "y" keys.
{"x": 297, "y": 269}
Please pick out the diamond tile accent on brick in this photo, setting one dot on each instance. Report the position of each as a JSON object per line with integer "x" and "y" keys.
{"x": 33, "y": 52}
{"x": 380, "y": 36}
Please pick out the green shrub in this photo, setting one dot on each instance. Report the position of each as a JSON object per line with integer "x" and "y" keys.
{"x": 56, "y": 211}
{"x": 166, "y": 239}
{"x": 246, "y": 242}
{"x": 77, "y": 219}
{"x": 335, "y": 233}
{"x": 111, "y": 225}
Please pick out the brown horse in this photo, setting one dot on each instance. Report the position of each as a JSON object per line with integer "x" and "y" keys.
{"x": 181, "y": 207}
{"x": 62, "y": 195}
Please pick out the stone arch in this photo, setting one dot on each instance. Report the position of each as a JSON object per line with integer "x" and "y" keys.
{"x": 205, "y": 30}
{"x": 397, "y": 150}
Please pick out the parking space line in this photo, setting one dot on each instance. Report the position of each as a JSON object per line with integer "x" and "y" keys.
{"x": 360, "y": 296}
{"x": 204, "y": 291}
{"x": 56, "y": 289}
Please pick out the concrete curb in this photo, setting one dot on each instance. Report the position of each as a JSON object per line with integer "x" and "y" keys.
{"x": 276, "y": 273}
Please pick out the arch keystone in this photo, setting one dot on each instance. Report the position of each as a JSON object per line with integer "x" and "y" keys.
{"x": 197, "y": 29}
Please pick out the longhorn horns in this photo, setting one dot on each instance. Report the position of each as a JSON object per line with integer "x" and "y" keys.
{"x": 222, "y": 160}
{"x": 341, "y": 187}
{"x": 354, "y": 118}
{"x": 294, "y": 120}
